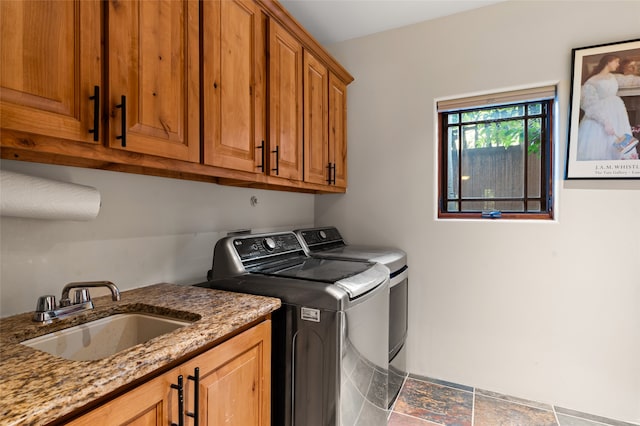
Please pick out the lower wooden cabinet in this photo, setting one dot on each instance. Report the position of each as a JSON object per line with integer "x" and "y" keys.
{"x": 229, "y": 384}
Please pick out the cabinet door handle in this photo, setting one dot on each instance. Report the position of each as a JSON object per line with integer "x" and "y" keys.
{"x": 196, "y": 395}
{"x": 277, "y": 152}
{"x": 261, "y": 148}
{"x": 96, "y": 113}
{"x": 180, "y": 388}
{"x": 123, "y": 121}
{"x": 331, "y": 171}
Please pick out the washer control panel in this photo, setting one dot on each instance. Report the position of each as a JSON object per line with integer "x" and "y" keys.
{"x": 313, "y": 237}
{"x": 256, "y": 247}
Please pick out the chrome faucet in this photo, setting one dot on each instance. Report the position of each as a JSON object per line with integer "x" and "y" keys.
{"x": 46, "y": 310}
{"x": 64, "y": 299}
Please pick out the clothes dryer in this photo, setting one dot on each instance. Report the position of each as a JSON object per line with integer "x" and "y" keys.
{"x": 327, "y": 243}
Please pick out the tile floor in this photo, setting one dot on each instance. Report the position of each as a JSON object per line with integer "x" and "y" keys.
{"x": 427, "y": 402}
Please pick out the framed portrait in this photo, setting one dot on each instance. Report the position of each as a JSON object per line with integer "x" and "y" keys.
{"x": 604, "y": 115}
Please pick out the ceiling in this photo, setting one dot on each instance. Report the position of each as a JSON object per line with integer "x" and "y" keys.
{"x": 332, "y": 21}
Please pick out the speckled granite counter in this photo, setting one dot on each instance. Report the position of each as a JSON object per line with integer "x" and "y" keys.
{"x": 37, "y": 388}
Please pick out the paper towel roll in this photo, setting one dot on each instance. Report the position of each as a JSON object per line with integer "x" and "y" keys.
{"x": 38, "y": 198}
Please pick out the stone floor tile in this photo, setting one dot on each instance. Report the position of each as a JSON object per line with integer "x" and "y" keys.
{"x": 517, "y": 400}
{"x": 425, "y": 401}
{"x": 439, "y": 404}
{"x": 490, "y": 411}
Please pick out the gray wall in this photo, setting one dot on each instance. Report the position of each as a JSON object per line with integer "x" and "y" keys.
{"x": 556, "y": 321}
{"x": 149, "y": 230}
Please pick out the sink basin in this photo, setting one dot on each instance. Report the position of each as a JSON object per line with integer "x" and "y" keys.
{"x": 105, "y": 336}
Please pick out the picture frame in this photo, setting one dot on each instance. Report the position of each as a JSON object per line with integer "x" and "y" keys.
{"x": 604, "y": 112}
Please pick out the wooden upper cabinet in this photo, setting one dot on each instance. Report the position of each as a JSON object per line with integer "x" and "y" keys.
{"x": 325, "y": 125}
{"x": 285, "y": 104}
{"x": 338, "y": 130}
{"x": 50, "y": 62}
{"x": 153, "y": 51}
{"x": 235, "y": 90}
{"x": 316, "y": 127}
{"x": 233, "y": 55}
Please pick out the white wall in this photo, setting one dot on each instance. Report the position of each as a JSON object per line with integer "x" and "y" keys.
{"x": 149, "y": 230}
{"x": 557, "y": 320}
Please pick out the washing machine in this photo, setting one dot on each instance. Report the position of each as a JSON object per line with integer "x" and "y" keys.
{"x": 327, "y": 243}
{"x": 329, "y": 366}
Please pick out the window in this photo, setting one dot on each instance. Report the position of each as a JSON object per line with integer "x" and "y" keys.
{"x": 496, "y": 155}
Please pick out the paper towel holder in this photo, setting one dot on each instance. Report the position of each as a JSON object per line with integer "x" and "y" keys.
{"x": 33, "y": 197}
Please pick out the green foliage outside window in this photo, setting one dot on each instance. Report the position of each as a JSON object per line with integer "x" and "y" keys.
{"x": 503, "y": 126}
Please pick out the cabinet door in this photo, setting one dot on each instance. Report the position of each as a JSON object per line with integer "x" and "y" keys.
{"x": 338, "y": 130}
{"x": 50, "y": 62}
{"x": 285, "y": 104}
{"x": 234, "y": 389}
{"x": 153, "y": 403}
{"x": 233, "y": 58}
{"x": 154, "y": 74}
{"x": 235, "y": 385}
{"x": 316, "y": 128}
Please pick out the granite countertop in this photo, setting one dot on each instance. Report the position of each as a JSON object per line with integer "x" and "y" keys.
{"x": 38, "y": 388}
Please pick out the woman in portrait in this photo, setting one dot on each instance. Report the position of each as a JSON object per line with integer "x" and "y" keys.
{"x": 605, "y": 119}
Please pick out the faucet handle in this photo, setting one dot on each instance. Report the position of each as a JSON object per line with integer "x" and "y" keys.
{"x": 81, "y": 295}
{"x": 46, "y": 303}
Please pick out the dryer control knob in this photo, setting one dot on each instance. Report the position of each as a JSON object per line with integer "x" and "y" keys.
{"x": 269, "y": 243}
{"x": 323, "y": 235}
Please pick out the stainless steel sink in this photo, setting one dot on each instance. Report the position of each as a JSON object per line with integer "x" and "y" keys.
{"x": 105, "y": 336}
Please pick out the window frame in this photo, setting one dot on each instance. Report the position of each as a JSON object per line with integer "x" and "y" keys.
{"x": 546, "y": 166}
